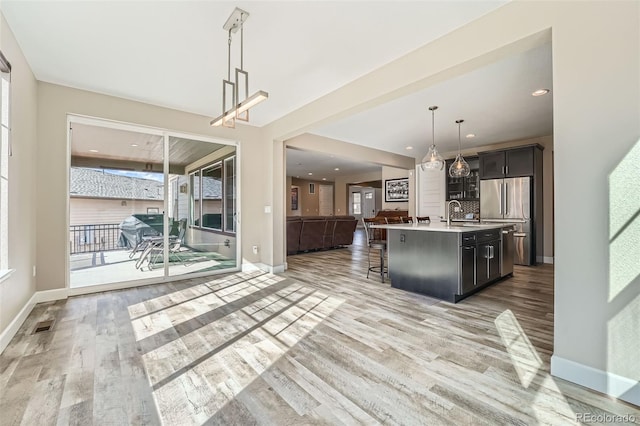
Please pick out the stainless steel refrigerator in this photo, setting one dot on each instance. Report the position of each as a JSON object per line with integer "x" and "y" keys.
{"x": 509, "y": 200}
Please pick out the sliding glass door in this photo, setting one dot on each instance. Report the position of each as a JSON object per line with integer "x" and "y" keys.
{"x": 145, "y": 204}
{"x": 203, "y": 221}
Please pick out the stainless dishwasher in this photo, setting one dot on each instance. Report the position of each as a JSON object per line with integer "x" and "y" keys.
{"x": 507, "y": 252}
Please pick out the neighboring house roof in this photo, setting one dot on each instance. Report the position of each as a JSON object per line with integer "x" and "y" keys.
{"x": 94, "y": 183}
{"x": 102, "y": 184}
{"x": 212, "y": 188}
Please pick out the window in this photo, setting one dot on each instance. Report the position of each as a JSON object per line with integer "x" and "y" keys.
{"x": 230, "y": 194}
{"x": 5, "y": 153}
{"x": 194, "y": 199}
{"x": 357, "y": 203}
{"x": 213, "y": 196}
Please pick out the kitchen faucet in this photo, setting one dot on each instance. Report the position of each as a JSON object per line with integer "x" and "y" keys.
{"x": 449, "y": 210}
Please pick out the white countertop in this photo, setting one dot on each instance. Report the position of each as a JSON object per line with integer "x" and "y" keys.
{"x": 442, "y": 226}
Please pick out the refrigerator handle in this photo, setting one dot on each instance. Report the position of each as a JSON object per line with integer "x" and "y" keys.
{"x": 500, "y": 204}
{"x": 506, "y": 198}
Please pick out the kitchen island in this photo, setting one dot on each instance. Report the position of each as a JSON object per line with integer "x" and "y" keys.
{"x": 449, "y": 262}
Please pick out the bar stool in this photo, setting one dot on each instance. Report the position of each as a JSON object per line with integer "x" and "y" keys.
{"x": 375, "y": 242}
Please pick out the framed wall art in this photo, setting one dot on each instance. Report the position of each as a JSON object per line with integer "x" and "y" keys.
{"x": 396, "y": 190}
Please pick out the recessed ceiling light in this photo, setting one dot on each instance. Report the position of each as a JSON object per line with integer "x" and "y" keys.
{"x": 471, "y": 135}
{"x": 408, "y": 148}
{"x": 324, "y": 178}
{"x": 310, "y": 174}
{"x": 337, "y": 169}
{"x": 93, "y": 150}
{"x": 134, "y": 144}
{"x": 540, "y": 92}
{"x": 298, "y": 177}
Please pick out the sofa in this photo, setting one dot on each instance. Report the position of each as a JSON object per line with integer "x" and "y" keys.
{"x": 319, "y": 232}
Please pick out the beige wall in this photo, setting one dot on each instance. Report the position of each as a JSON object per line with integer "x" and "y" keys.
{"x": 596, "y": 64}
{"x": 54, "y": 102}
{"x": 91, "y": 211}
{"x": 395, "y": 173}
{"x": 341, "y": 188}
{"x": 309, "y": 204}
{"x": 16, "y": 291}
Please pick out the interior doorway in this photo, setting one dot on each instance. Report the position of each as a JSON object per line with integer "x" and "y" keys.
{"x": 364, "y": 201}
{"x": 325, "y": 200}
{"x": 148, "y": 204}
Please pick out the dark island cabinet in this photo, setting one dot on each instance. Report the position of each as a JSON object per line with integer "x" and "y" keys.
{"x": 515, "y": 162}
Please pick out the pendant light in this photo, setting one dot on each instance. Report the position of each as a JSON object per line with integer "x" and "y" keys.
{"x": 459, "y": 168}
{"x": 433, "y": 160}
{"x": 240, "y": 101}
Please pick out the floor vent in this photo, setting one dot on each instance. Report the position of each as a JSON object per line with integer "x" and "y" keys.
{"x": 43, "y": 326}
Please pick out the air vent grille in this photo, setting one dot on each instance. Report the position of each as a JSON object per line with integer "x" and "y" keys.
{"x": 43, "y": 326}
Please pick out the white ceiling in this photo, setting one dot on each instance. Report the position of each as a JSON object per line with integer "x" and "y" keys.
{"x": 173, "y": 54}
{"x": 494, "y": 101}
{"x": 322, "y": 166}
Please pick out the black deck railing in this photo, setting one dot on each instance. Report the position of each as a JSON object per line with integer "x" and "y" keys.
{"x": 94, "y": 238}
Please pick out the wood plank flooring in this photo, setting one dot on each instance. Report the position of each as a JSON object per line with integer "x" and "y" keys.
{"x": 319, "y": 344}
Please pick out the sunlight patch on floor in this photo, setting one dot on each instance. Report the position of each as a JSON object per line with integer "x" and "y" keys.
{"x": 196, "y": 374}
{"x": 523, "y": 355}
{"x": 166, "y": 311}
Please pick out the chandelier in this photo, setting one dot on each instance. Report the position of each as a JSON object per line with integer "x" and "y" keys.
{"x": 236, "y": 101}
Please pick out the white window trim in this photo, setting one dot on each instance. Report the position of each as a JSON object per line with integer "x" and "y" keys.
{"x": 5, "y": 274}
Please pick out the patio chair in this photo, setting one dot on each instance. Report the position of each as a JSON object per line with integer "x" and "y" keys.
{"x": 155, "y": 248}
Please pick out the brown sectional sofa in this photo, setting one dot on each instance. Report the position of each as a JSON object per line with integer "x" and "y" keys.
{"x": 319, "y": 232}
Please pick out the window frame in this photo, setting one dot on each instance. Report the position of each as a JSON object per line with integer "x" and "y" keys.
{"x": 216, "y": 165}
{"x": 5, "y": 154}
{"x": 193, "y": 218}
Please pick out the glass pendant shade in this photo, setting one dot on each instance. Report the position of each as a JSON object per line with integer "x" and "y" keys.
{"x": 433, "y": 160}
{"x": 459, "y": 168}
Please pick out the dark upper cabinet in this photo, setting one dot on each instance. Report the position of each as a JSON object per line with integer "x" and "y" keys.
{"x": 467, "y": 188}
{"x": 516, "y": 162}
{"x": 492, "y": 165}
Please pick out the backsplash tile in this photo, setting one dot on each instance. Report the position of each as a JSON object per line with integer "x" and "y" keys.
{"x": 467, "y": 207}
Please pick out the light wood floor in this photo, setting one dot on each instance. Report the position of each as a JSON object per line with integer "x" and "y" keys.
{"x": 319, "y": 344}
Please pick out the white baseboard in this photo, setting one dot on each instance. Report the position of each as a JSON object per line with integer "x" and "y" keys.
{"x": 277, "y": 269}
{"x": 602, "y": 381}
{"x": 548, "y": 259}
{"x": 51, "y": 295}
{"x": 249, "y": 267}
{"x": 17, "y": 322}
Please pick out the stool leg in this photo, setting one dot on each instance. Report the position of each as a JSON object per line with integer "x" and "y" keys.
{"x": 382, "y": 264}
